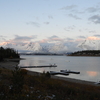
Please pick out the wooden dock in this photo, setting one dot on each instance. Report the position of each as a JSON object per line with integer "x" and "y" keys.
{"x": 68, "y": 71}
{"x": 57, "y": 73}
{"x": 38, "y": 66}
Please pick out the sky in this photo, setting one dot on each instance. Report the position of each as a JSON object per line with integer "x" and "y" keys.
{"x": 49, "y": 20}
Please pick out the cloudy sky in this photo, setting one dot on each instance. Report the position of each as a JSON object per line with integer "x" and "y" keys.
{"x": 49, "y": 20}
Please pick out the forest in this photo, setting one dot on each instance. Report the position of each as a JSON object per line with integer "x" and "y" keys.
{"x": 8, "y": 53}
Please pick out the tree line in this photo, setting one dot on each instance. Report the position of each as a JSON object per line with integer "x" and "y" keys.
{"x": 87, "y": 52}
{"x": 8, "y": 53}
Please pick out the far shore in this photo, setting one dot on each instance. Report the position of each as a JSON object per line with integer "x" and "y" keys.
{"x": 11, "y": 64}
{"x": 84, "y": 55}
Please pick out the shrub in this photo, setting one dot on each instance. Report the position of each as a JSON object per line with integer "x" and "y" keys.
{"x": 47, "y": 74}
{"x": 23, "y": 71}
{"x": 17, "y": 81}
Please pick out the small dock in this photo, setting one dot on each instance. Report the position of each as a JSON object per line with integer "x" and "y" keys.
{"x": 38, "y": 66}
{"x": 68, "y": 71}
{"x": 63, "y": 72}
{"x": 56, "y": 73}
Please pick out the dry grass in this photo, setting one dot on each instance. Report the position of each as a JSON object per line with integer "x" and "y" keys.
{"x": 41, "y": 87}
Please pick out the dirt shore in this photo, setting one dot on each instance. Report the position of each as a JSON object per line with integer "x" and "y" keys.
{"x": 67, "y": 79}
{"x": 12, "y": 64}
{"x": 8, "y": 64}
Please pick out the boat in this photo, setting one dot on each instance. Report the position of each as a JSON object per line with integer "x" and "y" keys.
{"x": 68, "y": 71}
{"x": 56, "y": 73}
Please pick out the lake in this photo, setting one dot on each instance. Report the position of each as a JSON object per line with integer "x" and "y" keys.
{"x": 89, "y": 67}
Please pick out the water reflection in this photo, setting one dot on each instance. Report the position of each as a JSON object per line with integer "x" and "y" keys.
{"x": 92, "y": 73}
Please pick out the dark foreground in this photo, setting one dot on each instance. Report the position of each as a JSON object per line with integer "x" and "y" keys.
{"x": 20, "y": 85}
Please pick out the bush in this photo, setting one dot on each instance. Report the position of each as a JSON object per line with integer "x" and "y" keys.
{"x": 23, "y": 71}
{"x": 47, "y": 74}
{"x": 17, "y": 81}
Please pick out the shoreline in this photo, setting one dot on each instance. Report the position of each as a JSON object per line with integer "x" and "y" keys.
{"x": 12, "y": 64}
{"x": 8, "y": 65}
{"x": 82, "y": 56}
{"x": 68, "y": 79}
{"x": 74, "y": 80}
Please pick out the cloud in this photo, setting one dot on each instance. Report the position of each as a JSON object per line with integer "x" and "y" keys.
{"x": 66, "y": 29}
{"x": 22, "y": 39}
{"x": 92, "y": 9}
{"x": 17, "y": 37}
{"x": 69, "y": 39}
{"x": 51, "y": 39}
{"x": 33, "y": 23}
{"x": 74, "y": 16}
{"x": 19, "y": 40}
{"x": 97, "y": 35}
{"x": 50, "y": 17}
{"x": 93, "y": 38}
{"x": 72, "y": 8}
{"x": 69, "y": 28}
{"x": 71, "y": 43}
{"x": 92, "y": 31}
{"x": 81, "y": 37}
{"x": 80, "y": 30}
{"x": 95, "y": 19}
{"x": 43, "y": 41}
{"x": 54, "y": 36}
{"x": 46, "y": 23}
{"x": 2, "y": 38}
{"x": 69, "y": 7}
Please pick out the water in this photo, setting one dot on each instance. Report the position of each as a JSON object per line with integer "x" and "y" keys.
{"x": 89, "y": 67}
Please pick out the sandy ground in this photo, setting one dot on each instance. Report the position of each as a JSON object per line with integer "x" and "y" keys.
{"x": 8, "y": 64}
{"x": 12, "y": 64}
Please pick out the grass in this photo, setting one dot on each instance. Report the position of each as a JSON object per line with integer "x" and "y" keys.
{"x": 42, "y": 87}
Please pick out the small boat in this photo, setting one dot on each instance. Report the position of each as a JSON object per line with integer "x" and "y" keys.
{"x": 68, "y": 71}
{"x": 56, "y": 73}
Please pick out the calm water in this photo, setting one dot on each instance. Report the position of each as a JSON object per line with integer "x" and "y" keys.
{"x": 89, "y": 67}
